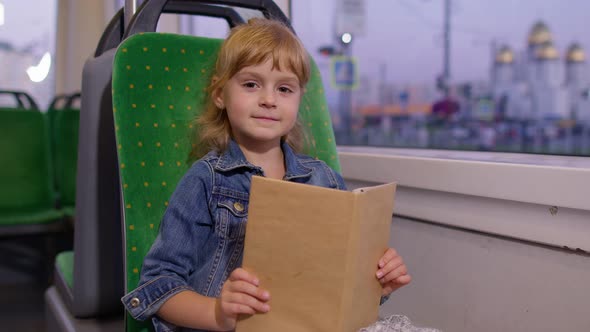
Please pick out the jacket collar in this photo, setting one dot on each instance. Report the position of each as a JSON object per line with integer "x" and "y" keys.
{"x": 233, "y": 158}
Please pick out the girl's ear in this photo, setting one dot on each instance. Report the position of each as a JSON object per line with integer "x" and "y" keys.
{"x": 217, "y": 96}
{"x": 218, "y": 100}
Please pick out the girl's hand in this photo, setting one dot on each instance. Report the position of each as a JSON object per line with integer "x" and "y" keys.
{"x": 240, "y": 295}
{"x": 392, "y": 272}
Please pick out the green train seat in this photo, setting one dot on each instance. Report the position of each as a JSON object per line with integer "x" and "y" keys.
{"x": 64, "y": 124}
{"x": 29, "y": 218}
{"x": 159, "y": 83}
{"x": 27, "y": 198}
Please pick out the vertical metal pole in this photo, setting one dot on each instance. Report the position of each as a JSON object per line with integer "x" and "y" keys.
{"x": 345, "y": 102}
{"x": 447, "y": 46}
{"x": 129, "y": 10}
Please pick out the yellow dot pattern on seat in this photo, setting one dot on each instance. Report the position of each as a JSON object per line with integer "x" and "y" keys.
{"x": 159, "y": 84}
{"x": 155, "y": 95}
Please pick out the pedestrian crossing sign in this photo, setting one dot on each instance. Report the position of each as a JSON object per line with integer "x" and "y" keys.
{"x": 344, "y": 73}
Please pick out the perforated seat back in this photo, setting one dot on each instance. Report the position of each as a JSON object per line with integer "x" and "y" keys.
{"x": 159, "y": 83}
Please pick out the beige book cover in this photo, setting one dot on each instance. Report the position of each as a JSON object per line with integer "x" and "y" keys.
{"x": 316, "y": 250}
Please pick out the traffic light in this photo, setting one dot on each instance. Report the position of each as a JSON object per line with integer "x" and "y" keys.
{"x": 328, "y": 51}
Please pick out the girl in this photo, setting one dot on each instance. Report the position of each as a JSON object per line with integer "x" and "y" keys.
{"x": 192, "y": 277}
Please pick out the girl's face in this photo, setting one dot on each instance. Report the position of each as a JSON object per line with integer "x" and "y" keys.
{"x": 261, "y": 103}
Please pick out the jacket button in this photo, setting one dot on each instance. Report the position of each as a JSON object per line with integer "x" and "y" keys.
{"x": 134, "y": 302}
{"x": 238, "y": 206}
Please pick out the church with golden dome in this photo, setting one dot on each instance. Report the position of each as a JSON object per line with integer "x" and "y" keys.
{"x": 537, "y": 83}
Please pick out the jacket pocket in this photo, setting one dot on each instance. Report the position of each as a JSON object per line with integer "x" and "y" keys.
{"x": 232, "y": 215}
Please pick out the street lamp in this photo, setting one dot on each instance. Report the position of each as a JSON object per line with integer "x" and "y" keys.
{"x": 346, "y": 38}
{"x": 345, "y": 94}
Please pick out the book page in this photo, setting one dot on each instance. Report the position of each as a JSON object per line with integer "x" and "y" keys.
{"x": 373, "y": 228}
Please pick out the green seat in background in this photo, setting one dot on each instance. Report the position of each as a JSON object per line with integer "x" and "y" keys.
{"x": 64, "y": 139}
{"x": 64, "y": 262}
{"x": 63, "y": 124}
{"x": 159, "y": 83}
{"x": 27, "y": 198}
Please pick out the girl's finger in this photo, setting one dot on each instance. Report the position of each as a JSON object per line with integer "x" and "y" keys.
{"x": 394, "y": 274}
{"x": 241, "y": 274}
{"x": 242, "y": 299}
{"x": 390, "y": 266}
{"x": 237, "y": 308}
{"x": 244, "y": 287}
{"x": 389, "y": 254}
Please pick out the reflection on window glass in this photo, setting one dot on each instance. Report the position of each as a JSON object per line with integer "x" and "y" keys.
{"x": 454, "y": 74}
{"x": 27, "y": 49}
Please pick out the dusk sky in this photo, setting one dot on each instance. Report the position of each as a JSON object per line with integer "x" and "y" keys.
{"x": 406, "y": 35}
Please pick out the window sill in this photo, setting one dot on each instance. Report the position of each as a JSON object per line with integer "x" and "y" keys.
{"x": 537, "y": 198}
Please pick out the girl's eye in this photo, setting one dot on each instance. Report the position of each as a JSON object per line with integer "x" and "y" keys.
{"x": 285, "y": 89}
{"x": 250, "y": 85}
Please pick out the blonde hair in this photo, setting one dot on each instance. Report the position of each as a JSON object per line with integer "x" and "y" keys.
{"x": 249, "y": 45}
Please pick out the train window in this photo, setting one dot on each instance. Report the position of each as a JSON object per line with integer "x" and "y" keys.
{"x": 453, "y": 74}
{"x": 212, "y": 27}
{"x": 27, "y": 49}
{"x": 203, "y": 26}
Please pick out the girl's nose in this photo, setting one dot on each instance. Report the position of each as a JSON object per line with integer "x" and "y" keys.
{"x": 267, "y": 99}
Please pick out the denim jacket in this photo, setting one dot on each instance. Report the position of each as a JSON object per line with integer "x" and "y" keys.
{"x": 201, "y": 238}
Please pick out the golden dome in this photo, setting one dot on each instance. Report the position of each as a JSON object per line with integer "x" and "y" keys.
{"x": 504, "y": 55}
{"x": 575, "y": 53}
{"x": 539, "y": 34}
{"x": 547, "y": 52}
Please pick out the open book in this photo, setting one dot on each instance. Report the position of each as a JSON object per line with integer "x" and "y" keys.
{"x": 316, "y": 250}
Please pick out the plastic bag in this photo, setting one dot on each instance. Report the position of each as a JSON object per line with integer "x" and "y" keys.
{"x": 396, "y": 323}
